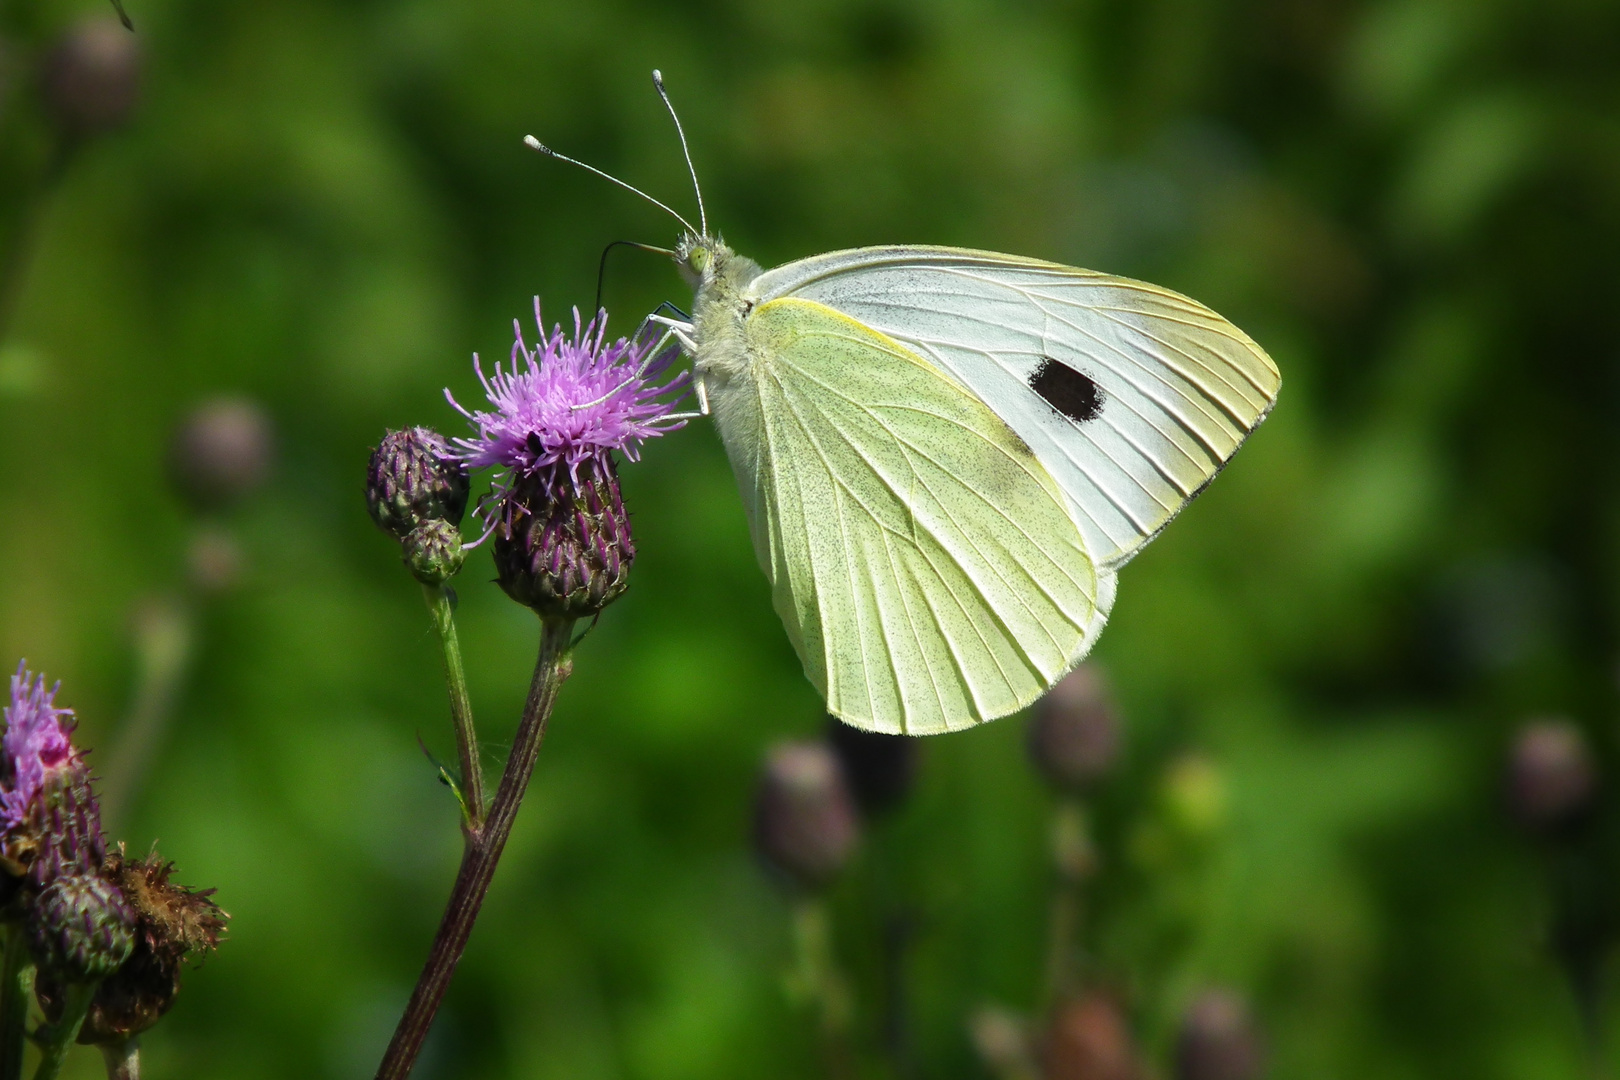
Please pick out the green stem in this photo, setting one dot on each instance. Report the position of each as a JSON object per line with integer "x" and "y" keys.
{"x": 23, "y": 229}
{"x": 15, "y": 980}
{"x": 163, "y": 637}
{"x": 123, "y": 1059}
{"x": 54, "y": 1039}
{"x": 483, "y": 852}
{"x": 1073, "y": 859}
{"x": 455, "y": 677}
{"x": 819, "y": 979}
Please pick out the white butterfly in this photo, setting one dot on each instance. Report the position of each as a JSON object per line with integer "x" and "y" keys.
{"x": 946, "y": 455}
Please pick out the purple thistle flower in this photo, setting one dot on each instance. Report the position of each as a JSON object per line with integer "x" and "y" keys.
{"x": 562, "y": 535}
{"x": 566, "y": 402}
{"x": 35, "y": 743}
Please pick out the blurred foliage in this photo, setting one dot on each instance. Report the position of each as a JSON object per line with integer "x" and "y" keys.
{"x": 326, "y": 206}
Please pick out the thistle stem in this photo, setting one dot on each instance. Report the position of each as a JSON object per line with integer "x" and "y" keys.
{"x": 55, "y": 1038}
{"x": 23, "y": 229}
{"x": 14, "y": 987}
{"x": 819, "y": 979}
{"x": 455, "y": 677}
{"x": 163, "y": 638}
{"x": 123, "y": 1059}
{"x": 483, "y": 852}
{"x": 1073, "y": 859}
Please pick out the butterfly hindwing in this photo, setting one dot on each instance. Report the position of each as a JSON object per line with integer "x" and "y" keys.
{"x": 1132, "y": 396}
{"x": 925, "y": 562}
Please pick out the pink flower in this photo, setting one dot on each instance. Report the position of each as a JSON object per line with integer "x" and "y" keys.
{"x": 568, "y": 401}
{"x": 35, "y": 742}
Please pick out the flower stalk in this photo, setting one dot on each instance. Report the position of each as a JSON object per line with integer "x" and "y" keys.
{"x": 164, "y": 634}
{"x": 471, "y": 790}
{"x": 54, "y": 1039}
{"x": 1073, "y": 860}
{"x": 483, "y": 852}
{"x": 16, "y": 983}
{"x": 123, "y": 1059}
{"x": 818, "y": 979}
{"x": 562, "y": 547}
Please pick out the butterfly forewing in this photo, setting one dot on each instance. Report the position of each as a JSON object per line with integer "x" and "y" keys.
{"x": 926, "y": 563}
{"x": 1132, "y": 396}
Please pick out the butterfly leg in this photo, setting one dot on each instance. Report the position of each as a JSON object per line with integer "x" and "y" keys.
{"x": 681, "y": 331}
{"x": 702, "y": 395}
{"x": 680, "y": 328}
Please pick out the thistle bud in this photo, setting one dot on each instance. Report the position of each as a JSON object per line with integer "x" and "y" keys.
{"x": 1551, "y": 777}
{"x": 433, "y": 552}
{"x": 67, "y": 825}
{"x": 80, "y": 929}
{"x": 1074, "y": 732}
{"x": 413, "y": 478}
{"x": 222, "y": 451}
{"x": 214, "y": 561}
{"x": 1003, "y": 1041}
{"x": 1218, "y": 1040}
{"x": 879, "y": 768}
{"x": 1089, "y": 1039}
{"x": 804, "y": 818}
{"x": 91, "y": 79}
{"x": 564, "y": 548}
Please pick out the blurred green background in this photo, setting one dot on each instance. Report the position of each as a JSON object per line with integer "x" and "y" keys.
{"x": 1414, "y": 205}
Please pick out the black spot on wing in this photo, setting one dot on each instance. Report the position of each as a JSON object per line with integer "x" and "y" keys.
{"x": 1066, "y": 390}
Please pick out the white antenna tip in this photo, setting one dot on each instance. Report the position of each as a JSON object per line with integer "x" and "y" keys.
{"x": 535, "y": 144}
{"x": 658, "y": 78}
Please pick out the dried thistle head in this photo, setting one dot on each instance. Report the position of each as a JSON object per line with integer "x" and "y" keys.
{"x": 172, "y": 919}
{"x": 172, "y": 924}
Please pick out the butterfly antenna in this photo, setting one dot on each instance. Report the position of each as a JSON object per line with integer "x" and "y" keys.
{"x": 601, "y": 267}
{"x": 535, "y": 144}
{"x": 658, "y": 81}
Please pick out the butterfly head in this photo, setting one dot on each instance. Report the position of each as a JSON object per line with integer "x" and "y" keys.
{"x": 695, "y": 258}
{"x": 706, "y": 262}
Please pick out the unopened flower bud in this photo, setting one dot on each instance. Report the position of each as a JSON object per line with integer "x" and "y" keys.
{"x": 1074, "y": 854}
{"x": 1551, "y": 775}
{"x": 879, "y": 768}
{"x": 1002, "y": 1039}
{"x": 1089, "y": 1039}
{"x": 564, "y": 549}
{"x": 1074, "y": 732}
{"x": 433, "y": 552}
{"x": 414, "y": 477}
{"x": 1194, "y": 796}
{"x": 67, "y": 820}
{"x": 1218, "y": 1039}
{"x": 804, "y": 818}
{"x": 222, "y": 451}
{"x": 214, "y": 560}
{"x": 80, "y": 928}
{"x": 91, "y": 79}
